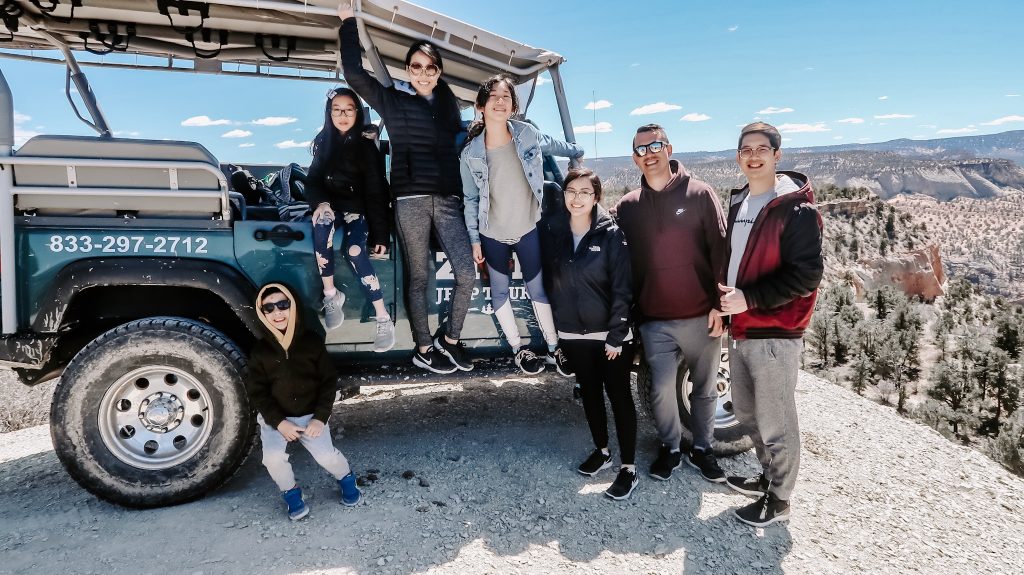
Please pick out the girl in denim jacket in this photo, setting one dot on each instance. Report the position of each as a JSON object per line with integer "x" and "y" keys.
{"x": 503, "y": 187}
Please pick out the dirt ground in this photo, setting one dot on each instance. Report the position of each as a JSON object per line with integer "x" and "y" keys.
{"x": 477, "y": 476}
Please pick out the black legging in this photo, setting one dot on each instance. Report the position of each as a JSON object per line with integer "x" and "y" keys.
{"x": 597, "y": 376}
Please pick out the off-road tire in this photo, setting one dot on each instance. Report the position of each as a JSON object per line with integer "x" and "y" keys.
{"x": 729, "y": 439}
{"x": 210, "y": 368}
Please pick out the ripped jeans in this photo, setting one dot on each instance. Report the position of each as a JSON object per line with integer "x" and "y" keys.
{"x": 355, "y": 232}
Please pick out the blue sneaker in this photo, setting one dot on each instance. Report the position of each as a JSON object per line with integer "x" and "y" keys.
{"x": 296, "y": 506}
{"x": 350, "y": 494}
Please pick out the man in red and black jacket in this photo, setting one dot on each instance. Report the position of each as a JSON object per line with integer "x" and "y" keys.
{"x": 771, "y": 283}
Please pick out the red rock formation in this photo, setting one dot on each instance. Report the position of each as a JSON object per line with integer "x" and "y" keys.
{"x": 918, "y": 273}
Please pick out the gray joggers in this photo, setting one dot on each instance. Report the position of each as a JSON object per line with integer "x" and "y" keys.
{"x": 764, "y": 374}
{"x": 415, "y": 218}
{"x": 664, "y": 341}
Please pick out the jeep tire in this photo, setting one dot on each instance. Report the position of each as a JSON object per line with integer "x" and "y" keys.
{"x": 729, "y": 436}
{"x": 153, "y": 413}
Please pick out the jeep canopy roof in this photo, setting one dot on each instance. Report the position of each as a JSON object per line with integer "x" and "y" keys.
{"x": 280, "y": 38}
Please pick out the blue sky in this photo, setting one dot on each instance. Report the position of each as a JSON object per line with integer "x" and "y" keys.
{"x": 825, "y": 72}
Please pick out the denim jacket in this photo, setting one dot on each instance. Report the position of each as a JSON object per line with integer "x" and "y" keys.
{"x": 531, "y": 144}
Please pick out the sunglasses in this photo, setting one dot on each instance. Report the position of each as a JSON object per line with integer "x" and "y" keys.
{"x": 418, "y": 69}
{"x": 281, "y": 305}
{"x": 653, "y": 147}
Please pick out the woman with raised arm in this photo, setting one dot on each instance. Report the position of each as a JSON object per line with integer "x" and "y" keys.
{"x": 422, "y": 118}
{"x": 588, "y": 278}
{"x": 346, "y": 183}
{"x": 503, "y": 188}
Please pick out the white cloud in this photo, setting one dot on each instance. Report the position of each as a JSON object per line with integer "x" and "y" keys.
{"x": 694, "y": 117}
{"x": 236, "y": 134}
{"x": 288, "y": 144}
{"x": 883, "y": 97}
{"x": 774, "y": 110}
{"x": 634, "y": 64}
{"x": 1004, "y": 120}
{"x": 274, "y": 121}
{"x": 894, "y": 116}
{"x": 733, "y": 28}
{"x": 598, "y": 105}
{"x": 600, "y": 127}
{"x": 655, "y": 108}
{"x": 850, "y": 121}
{"x": 837, "y": 137}
{"x": 966, "y": 130}
{"x": 1013, "y": 95}
{"x": 20, "y": 118}
{"x": 125, "y": 133}
{"x": 799, "y": 128}
{"x": 246, "y": 145}
{"x": 541, "y": 80}
{"x": 203, "y": 121}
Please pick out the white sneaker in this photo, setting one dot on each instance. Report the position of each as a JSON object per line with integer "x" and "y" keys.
{"x": 334, "y": 316}
{"x": 385, "y": 338}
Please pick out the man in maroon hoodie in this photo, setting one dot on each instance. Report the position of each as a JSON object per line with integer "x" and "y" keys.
{"x": 775, "y": 266}
{"x": 676, "y": 235}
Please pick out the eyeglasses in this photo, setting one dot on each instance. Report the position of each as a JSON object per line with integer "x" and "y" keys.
{"x": 418, "y": 69}
{"x": 573, "y": 194}
{"x": 347, "y": 112}
{"x": 282, "y": 305}
{"x": 747, "y": 153}
{"x": 653, "y": 147}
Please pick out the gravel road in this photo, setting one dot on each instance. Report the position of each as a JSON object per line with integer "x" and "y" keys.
{"x": 477, "y": 476}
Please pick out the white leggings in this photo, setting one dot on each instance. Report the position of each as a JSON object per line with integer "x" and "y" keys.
{"x": 275, "y": 455}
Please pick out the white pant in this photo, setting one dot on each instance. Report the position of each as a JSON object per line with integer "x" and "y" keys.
{"x": 275, "y": 455}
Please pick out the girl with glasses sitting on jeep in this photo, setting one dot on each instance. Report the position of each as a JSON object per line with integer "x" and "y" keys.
{"x": 346, "y": 183}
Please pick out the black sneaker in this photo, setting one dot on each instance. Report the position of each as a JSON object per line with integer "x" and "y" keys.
{"x": 667, "y": 462}
{"x": 557, "y": 358}
{"x": 433, "y": 360}
{"x": 577, "y": 393}
{"x": 528, "y": 361}
{"x": 455, "y": 352}
{"x": 596, "y": 462}
{"x": 624, "y": 484}
{"x": 705, "y": 462}
{"x": 765, "y": 511}
{"x": 755, "y": 486}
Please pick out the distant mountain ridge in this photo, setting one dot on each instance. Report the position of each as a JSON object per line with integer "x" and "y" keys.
{"x": 947, "y": 168}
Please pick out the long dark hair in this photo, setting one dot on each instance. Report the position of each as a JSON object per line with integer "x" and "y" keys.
{"x": 446, "y": 99}
{"x": 329, "y": 140}
{"x": 483, "y": 94}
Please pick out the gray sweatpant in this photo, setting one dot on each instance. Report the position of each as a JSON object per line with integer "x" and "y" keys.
{"x": 275, "y": 454}
{"x": 764, "y": 373}
{"x": 415, "y": 218}
{"x": 664, "y": 342}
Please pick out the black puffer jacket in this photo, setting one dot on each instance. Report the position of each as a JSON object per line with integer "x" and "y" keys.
{"x": 352, "y": 180}
{"x": 591, "y": 288}
{"x": 290, "y": 374}
{"x": 424, "y": 158}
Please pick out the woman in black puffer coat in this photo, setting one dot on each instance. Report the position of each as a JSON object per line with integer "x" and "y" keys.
{"x": 589, "y": 284}
{"x": 423, "y": 120}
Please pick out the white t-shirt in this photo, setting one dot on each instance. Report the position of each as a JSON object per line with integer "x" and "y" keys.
{"x": 749, "y": 209}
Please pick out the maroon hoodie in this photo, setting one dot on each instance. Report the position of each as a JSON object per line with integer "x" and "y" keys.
{"x": 677, "y": 244}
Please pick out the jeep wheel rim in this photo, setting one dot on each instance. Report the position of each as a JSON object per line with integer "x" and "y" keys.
{"x": 724, "y": 416}
{"x": 155, "y": 417}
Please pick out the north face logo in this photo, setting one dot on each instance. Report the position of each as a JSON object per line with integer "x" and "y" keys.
{"x": 595, "y": 248}
{"x": 680, "y": 211}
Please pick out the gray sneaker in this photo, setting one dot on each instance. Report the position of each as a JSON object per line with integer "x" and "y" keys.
{"x": 385, "y": 338}
{"x": 334, "y": 316}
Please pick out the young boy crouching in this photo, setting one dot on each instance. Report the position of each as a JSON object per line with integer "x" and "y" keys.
{"x": 292, "y": 382}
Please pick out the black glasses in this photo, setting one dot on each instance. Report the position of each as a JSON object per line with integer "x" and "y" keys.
{"x": 418, "y": 69}
{"x": 747, "y": 153}
{"x": 573, "y": 194}
{"x": 282, "y": 305}
{"x": 347, "y": 112}
{"x": 653, "y": 147}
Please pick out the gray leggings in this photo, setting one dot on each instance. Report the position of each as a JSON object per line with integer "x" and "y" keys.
{"x": 415, "y": 217}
